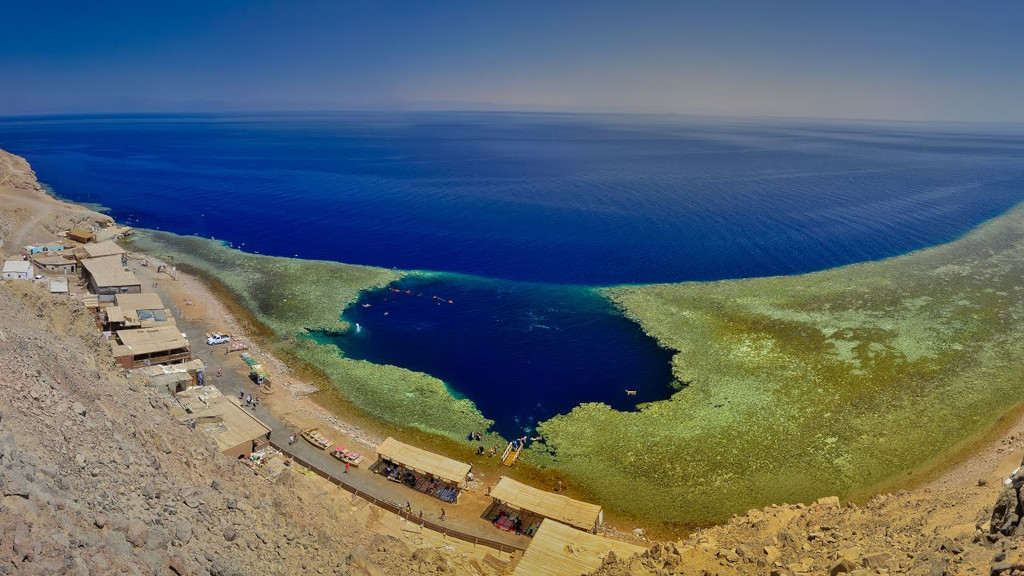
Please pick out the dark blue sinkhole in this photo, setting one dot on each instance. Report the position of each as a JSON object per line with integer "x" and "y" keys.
{"x": 521, "y": 352}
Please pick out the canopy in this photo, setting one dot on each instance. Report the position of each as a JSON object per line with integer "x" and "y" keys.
{"x": 582, "y": 515}
{"x": 107, "y": 271}
{"x": 149, "y": 341}
{"x": 420, "y": 460}
{"x": 558, "y": 550}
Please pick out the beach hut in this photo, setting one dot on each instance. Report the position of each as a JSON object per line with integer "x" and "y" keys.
{"x": 430, "y": 473}
{"x": 17, "y": 270}
{"x": 521, "y": 508}
{"x": 558, "y": 550}
{"x": 147, "y": 346}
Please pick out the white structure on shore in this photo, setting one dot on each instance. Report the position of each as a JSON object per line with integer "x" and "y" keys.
{"x": 17, "y": 269}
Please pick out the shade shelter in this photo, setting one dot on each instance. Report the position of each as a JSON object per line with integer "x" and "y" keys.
{"x": 146, "y": 346}
{"x": 425, "y": 471}
{"x": 101, "y": 249}
{"x": 558, "y": 550}
{"x": 517, "y": 495}
{"x": 107, "y": 276}
{"x": 233, "y": 428}
{"x": 144, "y": 310}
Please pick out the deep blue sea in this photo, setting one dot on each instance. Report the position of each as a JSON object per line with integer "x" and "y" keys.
{"x": 535, "y": 206}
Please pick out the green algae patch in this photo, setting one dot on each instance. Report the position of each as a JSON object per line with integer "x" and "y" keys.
{"x": 295, "y": 297}
{"x": 395, "y": 395}
{"x": 811, "y": 385}
{"x": 290, "y": 296}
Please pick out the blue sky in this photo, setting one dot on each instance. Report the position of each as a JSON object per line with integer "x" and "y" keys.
{"x": 909, "y": 60}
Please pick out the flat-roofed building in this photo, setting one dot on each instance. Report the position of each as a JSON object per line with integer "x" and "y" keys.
{"x": 81, "y": 236}
{"x": 236, "y": 431}
{"x": 107, "y": 276}
{"x": 143, "y": 310}
{"x": 148, "y": 346}
{"x": 101, "y": 249}
{"x": 175, "y": 377}
{"x": 54, "y": 262}
{"x": 17, "y": 270}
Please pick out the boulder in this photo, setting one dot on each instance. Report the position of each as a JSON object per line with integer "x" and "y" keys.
{"x": 1006, "y": 513}
{"x": 828, "y": 502}
{"x": 137, "y": 533}
{"x": 841, "y": 566}
{"x": 877, "y": 560}
{"x": 183, "y": 532}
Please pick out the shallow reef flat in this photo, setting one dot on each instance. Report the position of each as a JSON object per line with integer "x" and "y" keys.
{"x": 289, "y": 296}
{"x": 293, "y": 297}
{"x": 803, "y": 386}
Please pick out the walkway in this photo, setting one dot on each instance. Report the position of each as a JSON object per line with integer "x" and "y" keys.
{"x": 461, "y": 521}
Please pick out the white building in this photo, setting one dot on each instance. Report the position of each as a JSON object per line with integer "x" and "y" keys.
{"x": 20, "y": 269}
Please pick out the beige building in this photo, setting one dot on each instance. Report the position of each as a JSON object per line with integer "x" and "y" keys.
{"x": 174, "y": 377}
{"x": 145, "y": 310}
{"x": 107, "y": 276}
{"x": 57, "y": 262}
{"x": 236, "y": 431}
{"x": 101, "y": 249}
{"x": 147, "y": 346}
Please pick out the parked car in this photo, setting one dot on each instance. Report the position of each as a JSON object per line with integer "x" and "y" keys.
{"x": 217, "y": 339}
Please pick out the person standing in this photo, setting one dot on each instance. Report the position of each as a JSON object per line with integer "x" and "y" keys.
{"x": 442, "y": 514}
{"x": 346, "y": 467}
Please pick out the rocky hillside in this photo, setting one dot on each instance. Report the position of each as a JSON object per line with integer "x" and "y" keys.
{"x": 927, "y": 532}
{"x": 15, "y": 172}
{"x": 97, "y": 479}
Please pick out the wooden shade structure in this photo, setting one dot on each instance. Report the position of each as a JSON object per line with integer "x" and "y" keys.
{"x": 445, "y": 469}
{"x": 558, "y": 550}
{"x": 582, "y": 515}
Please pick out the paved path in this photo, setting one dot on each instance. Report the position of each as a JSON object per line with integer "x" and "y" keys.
{"x": 460, "y": 517}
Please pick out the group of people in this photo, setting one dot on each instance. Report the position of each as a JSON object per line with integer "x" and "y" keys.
{"x": 249, "y": 400}
{"x": 516, "y": 444}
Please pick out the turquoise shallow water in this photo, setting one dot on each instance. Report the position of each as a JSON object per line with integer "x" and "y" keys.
{"x": 539, "y": 204}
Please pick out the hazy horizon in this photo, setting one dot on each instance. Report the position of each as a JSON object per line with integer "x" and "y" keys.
{"x": 914, "y": 61}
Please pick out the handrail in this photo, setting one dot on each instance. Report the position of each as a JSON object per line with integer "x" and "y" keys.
{"x": 395, "y": 508}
